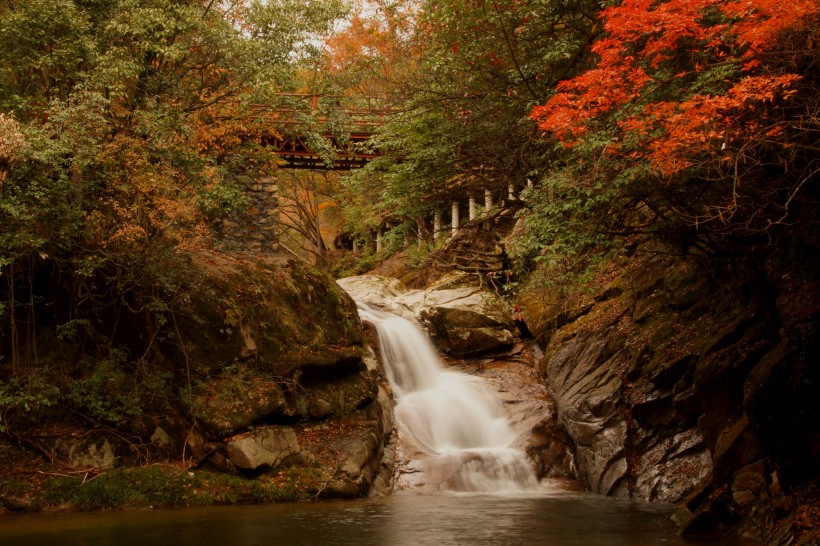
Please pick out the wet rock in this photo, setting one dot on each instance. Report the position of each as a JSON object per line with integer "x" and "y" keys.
{"x": 382, "y": 484}
{"x": 357, "y": 463}
{"x": 466, "y": 341}
{"x": 551, "y": 450}
{"x": 383, "y": 292}
{"x": 673, "y": 468}
{"x": 351, "y": 449}
{"x": 711, "y": 517}
{"x": 627, "y": 406}
{"x": 750, "y": 478}
{"x": 375, "y": 290}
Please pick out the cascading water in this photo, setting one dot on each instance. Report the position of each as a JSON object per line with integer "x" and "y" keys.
{"x": 450, "y": 416}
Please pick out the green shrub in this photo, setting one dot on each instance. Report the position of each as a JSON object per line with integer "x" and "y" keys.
{"x": 25, "y": 399}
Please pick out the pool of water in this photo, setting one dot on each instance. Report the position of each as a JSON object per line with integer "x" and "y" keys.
{"x": 539, "y": 519}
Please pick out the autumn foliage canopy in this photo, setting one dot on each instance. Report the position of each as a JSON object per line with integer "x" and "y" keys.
{"x": 677, "y": 79}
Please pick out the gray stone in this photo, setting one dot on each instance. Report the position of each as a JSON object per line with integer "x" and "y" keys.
{"x": 86, "y": 453}
{"x": 267, "y": 447}
{"x": 359, "y": 451}
{"x": 160, "y": 438}
{"x": 635, "y": 435}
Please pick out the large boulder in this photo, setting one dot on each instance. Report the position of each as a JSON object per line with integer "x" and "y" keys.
{"x": 278, "y": 343}
{"x": 94, "y": 452}
{"x": 318, "y": 397}
{"x": 278, "y": 313}
{"x": 229, "y": 403}
{"x": 266, "y": 447}
{"x": 376, "y": 290}
{"x": 241, "y": 396}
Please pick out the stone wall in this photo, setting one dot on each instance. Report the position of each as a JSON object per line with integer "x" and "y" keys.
{"x": 257, "y": 229}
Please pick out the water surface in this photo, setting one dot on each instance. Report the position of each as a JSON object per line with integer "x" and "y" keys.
{"x": 549, "y": 520}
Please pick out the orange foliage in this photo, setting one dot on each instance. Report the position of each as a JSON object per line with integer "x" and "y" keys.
{"x": 375, "y": 45}
{"x": 645, "y": 41}
{"x": 12, "y": 144}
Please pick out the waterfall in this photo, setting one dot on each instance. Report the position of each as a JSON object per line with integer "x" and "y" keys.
{"x": 452, "y": 417}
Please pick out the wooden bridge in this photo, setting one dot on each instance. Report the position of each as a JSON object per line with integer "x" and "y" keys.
{"x": 320, "y": 132}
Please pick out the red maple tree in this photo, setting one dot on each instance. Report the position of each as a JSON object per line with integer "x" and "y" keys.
{"x": 651, "y": 77}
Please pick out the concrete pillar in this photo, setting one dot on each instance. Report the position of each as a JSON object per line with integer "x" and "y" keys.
{"x": 488, "y": 200}
{"x": 455, "y": 221}
{"x": 379, "y": 243}
{"x": 472, "y": 208}
{"x": 436, "y": 225}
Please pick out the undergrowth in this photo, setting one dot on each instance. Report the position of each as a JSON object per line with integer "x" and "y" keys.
{"x": 160, "y": 486}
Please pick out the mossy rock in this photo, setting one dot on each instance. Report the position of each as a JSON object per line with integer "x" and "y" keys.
{"x": 231, "y": 402}
{"x": 276, "y": 312}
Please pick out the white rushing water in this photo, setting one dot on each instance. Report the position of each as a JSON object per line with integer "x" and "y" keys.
{"x": 451, "y": 416}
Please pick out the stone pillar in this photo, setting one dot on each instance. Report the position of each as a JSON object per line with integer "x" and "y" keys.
{"x": 436, "y": 225}
{"x": 259, "y": 232}
{"x": 454, "y": 223}
{"x": 472, "y": 208}
{"x": 379, "y": 243}
{"x": 488, "y": 200}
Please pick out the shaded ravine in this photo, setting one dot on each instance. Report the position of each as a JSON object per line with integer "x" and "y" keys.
{"x": 453, "y": 418}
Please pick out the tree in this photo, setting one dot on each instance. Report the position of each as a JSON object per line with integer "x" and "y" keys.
{"x": 480, "y": 66}
{"x": 136, "y": 129}
{"x": 306, "y": 199}
{"x": 712, "y": 103}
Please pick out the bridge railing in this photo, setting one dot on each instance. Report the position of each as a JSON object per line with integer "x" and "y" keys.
{"x": 362, "y": 114}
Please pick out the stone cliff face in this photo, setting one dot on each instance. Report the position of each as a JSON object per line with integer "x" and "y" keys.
{"x": 678, "y": 385}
